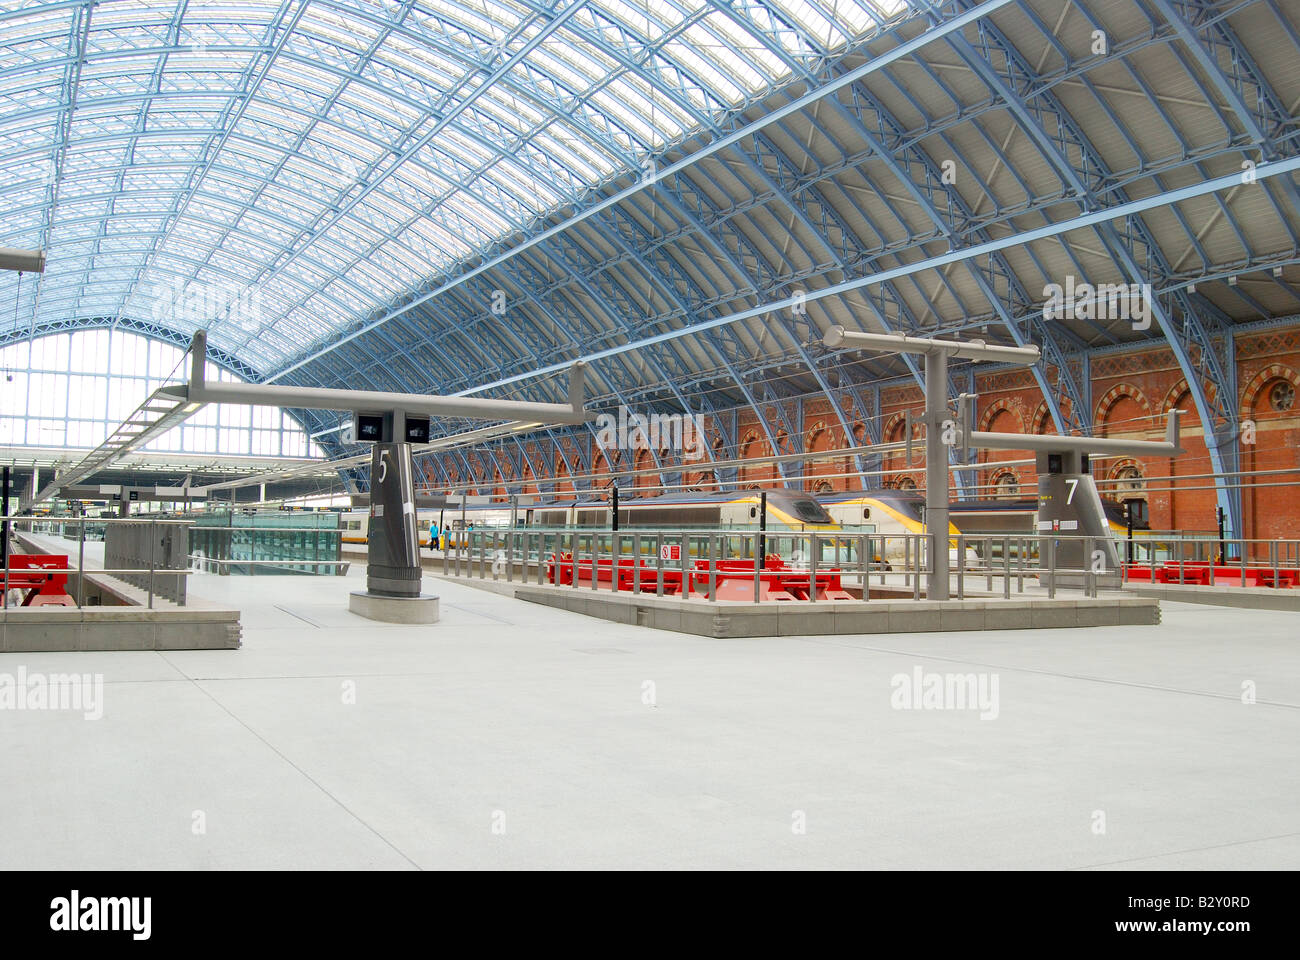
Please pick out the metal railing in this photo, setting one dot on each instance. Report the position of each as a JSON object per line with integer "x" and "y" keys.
{"x": 1000, "y": 560}
{"x": 149, "y": 575}
{"x": 1211, "y": 561}
{"x": 672, "y": 561}
{"x": 988, "y": 565}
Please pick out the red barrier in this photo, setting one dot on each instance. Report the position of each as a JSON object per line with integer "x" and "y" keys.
{"x": 1197, "y": 573}
{"x": 734, "y": 578}
{"x": 30, "y": 571}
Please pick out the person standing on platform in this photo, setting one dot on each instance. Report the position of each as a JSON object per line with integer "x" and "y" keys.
{"x": 433, "y": 535}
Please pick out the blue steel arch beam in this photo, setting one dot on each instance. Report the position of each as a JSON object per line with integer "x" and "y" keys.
{"x": 555, "y": 436}
{"x": 672, "y": 281}
{"x": 1085, "y": 221}
{"x": 445, "y": 119}
{"x": 720, "y": 143}
{"x": 1218, "y": 416}
{"x": 554, "y": 21}
{"x": 151, "y": 331}
{"x": 943, "y": 206}
{"x": 724, "y": 251}
{"x": 610, "y": 309}
{"x": 563, "y": 440}
{"x": 826, "y": 222}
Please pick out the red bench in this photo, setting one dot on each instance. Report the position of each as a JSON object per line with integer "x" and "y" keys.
{"x": 734, "y": 579}
{"x": 1197, "y": 572}
{"x": 605, "y": 571}
{"x": 33, "y": 572}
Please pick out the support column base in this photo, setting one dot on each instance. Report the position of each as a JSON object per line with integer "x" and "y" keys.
{"x": 374, "y": 606}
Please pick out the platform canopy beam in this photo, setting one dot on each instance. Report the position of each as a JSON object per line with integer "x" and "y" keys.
{"x": 23, "y": 261}
{"x": 393, "y": 570}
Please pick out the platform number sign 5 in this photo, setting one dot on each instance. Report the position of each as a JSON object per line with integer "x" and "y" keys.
{"x": 1074, "y": 485}
{"x": 670, "y": 551}
{"x": 383, "y": 465}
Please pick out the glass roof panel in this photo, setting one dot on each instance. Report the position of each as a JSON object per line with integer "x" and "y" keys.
{"x": 337, "y": 156}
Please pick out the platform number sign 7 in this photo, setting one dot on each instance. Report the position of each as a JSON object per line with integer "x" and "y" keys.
{"x": 1074, "y": 485}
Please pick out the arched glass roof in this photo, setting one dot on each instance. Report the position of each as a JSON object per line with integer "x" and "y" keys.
{"x": 277, "y": 171}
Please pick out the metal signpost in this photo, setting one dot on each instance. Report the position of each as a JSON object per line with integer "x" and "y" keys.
{"x": 388, "y": 420}
{"x": 1068, "y": 501}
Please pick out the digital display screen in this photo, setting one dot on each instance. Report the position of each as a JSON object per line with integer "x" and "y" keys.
{"x": 370, "y": 428}
{"x": 417, "y": 430}
{"x": 1054, "y": 464}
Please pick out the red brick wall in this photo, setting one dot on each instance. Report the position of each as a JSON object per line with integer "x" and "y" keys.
{"x": 1132, "y": 394}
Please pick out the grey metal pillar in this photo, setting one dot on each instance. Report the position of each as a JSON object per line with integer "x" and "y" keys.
{"x": 394, "y": 563}
{"x": 936, "y": 472}
{"x": 4, "y": 525}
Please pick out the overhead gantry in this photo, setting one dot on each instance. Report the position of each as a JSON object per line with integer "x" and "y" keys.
{"x": 22, "y": 261}
{"x": 393, "y": 574}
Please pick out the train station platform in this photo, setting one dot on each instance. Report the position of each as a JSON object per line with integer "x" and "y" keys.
{"x": 891, "y": 613}
{"x": 1247, "y": 598}
{"x": 513, "y": 734}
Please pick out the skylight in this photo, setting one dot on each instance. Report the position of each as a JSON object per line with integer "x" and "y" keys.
{"x": 335, "y": 156}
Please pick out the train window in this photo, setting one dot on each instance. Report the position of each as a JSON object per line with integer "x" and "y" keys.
{"x": 753, "y": 512}
{"x": 866, "y": 513}
{"x": 810, "y": 511}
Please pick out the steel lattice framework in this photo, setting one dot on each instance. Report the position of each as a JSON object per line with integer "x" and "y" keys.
{"x": 434, "y": 195}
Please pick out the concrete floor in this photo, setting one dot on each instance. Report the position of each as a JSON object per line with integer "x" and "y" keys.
{"x": 512, "y": 715}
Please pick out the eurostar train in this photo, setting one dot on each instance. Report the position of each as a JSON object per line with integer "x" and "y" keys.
{"x": 355, "y": 525}
{"x": 887, "y": 514}
{"x": 977, "y": 517}
{"x": 786, "y": 510}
